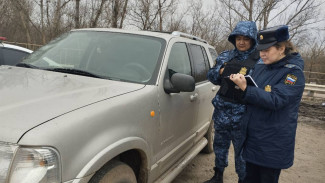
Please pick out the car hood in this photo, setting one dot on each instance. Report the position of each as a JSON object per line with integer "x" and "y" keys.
{"x": 30, "y": 97}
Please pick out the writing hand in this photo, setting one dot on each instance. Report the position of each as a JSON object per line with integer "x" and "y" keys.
{"x": 239, "y": 80}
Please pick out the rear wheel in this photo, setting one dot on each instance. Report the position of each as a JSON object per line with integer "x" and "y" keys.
{"x": 114, "y": 172}
{"x": 210, "y": 137}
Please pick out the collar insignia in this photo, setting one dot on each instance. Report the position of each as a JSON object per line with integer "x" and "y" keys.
{"x": 267, "y": 88}
{"x": 290, "y": 79}
{"x": 243, "y": 71}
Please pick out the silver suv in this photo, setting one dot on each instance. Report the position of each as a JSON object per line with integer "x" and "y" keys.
{"x": 106, "y": 105}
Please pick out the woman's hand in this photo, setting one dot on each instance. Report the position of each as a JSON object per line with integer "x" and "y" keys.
{"x": 239, "y": 80}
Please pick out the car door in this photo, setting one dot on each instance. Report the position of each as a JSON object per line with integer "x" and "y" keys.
{"x": 204, "y": 90}
{"x": 177, "y": 111}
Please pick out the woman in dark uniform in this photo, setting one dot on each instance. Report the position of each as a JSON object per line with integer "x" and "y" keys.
{"x": 270, "y": 122}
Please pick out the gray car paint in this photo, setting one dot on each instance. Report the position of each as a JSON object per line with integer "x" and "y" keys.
{"x": 30, "y": 97}
{"x": 90, "y": 120}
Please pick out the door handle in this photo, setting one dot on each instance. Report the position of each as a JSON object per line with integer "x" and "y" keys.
{"x": 193, "y": 97}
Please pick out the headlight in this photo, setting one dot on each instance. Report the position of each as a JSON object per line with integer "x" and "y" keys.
{"x": 37, "y": 165}
{"x": 6, "y": 154}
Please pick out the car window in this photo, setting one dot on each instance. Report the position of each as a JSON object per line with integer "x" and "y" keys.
{"x": 201, "y": 62}
{"x": 213, "y": 53}
{"x": 179, "y": 60}
{"x": 11, "y": 56}
{"x": 117, "y": 56}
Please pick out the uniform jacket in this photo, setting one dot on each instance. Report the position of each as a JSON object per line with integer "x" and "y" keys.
{"x": 271, "y": 119}
{"x": 227, "y": 114}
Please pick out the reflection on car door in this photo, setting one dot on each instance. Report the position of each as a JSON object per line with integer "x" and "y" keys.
{"x": 178, "y": 111}
{"x": 204, "y": 89}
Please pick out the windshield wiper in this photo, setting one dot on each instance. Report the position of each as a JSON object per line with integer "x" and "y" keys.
{"x": 22, "y": 64}
{"x": 75, "y": 71}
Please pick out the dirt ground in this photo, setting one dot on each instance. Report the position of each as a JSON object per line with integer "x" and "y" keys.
{"x": 309, "y": 163}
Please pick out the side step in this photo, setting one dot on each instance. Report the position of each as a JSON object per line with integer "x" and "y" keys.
{"x": 172, "y": 173}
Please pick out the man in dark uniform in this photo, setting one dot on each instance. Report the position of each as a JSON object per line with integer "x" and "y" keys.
{"x": 228, "y": 106}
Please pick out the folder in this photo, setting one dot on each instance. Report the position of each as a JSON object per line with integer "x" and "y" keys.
{"x": 250, "y": 81}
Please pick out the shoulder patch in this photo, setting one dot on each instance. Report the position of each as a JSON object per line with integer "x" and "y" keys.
{"x": 290, "y": 79}
{"x": 290, "y": 66}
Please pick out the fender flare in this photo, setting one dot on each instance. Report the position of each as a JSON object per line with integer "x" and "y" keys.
{"x": 112, "y": 151}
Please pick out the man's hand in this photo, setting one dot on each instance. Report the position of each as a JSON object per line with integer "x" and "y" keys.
{"x": 239, "y": 80}
{"x": 221, "y": 70}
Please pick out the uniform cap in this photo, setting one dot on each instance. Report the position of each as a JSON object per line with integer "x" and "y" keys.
{"x": 269, "y": 37}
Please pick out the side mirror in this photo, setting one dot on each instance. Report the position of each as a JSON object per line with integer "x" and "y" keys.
{"x": 179, "y": 83}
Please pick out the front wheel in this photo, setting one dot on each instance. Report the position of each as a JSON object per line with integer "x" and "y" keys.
{"x": 114, "y": 172}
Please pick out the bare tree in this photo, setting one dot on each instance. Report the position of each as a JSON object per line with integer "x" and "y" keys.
{"x": 207, "y": 25}
{"x": 77, "y": 15}
{"x": 24, "y": 13}
{"x": 296, "y": 13}
{"x": 58, "y": 15}
{"x": 98, "y": 12}
{"x": 149, "y": 14}
{"x": 243, "y": 8}
{"x": 39, "y": 21}
{"x": 141, "y": 14}
{"x": 314, "y": 54}
{"x": 176, "y": 20}
{"x": 119, "y": 9}
{"x": 115, "y": 4}
{"x": 123, "y": 14}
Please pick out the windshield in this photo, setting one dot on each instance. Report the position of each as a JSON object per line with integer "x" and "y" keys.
{"x": 117, "y": 56}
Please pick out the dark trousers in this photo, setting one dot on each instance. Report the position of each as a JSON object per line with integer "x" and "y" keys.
{"x": 221, "y": 144}
{"x": 259, "y": 174}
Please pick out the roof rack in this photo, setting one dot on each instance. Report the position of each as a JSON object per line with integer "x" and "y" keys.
{"x": 181, "y": 34}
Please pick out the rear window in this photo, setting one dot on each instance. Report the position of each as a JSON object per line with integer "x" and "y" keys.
{"x": 11, "y": 56}
{"x": 200, "y": 62}
{"x": 213, "y": 53}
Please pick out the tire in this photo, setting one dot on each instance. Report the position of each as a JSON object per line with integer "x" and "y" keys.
{"x": 210, "y": 137}
{"x": 114, "y": 172}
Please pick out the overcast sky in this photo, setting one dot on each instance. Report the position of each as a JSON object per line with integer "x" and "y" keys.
{"x": 208, "y": 4}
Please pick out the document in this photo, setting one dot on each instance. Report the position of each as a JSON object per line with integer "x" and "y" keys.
{"x": 250, "y": 81}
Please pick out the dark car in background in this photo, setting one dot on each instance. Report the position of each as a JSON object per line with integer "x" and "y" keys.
{"x": 11, "y": 54}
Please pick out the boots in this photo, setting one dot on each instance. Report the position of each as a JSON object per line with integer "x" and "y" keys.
{"x": 217, "y": 178}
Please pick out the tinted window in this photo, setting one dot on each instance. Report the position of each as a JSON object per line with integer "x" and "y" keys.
{"x": 214, "y": 54}
{"x": 11, "y": 56}
{"x": 179, "y": 60}
{"x": 200, "y": 60}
